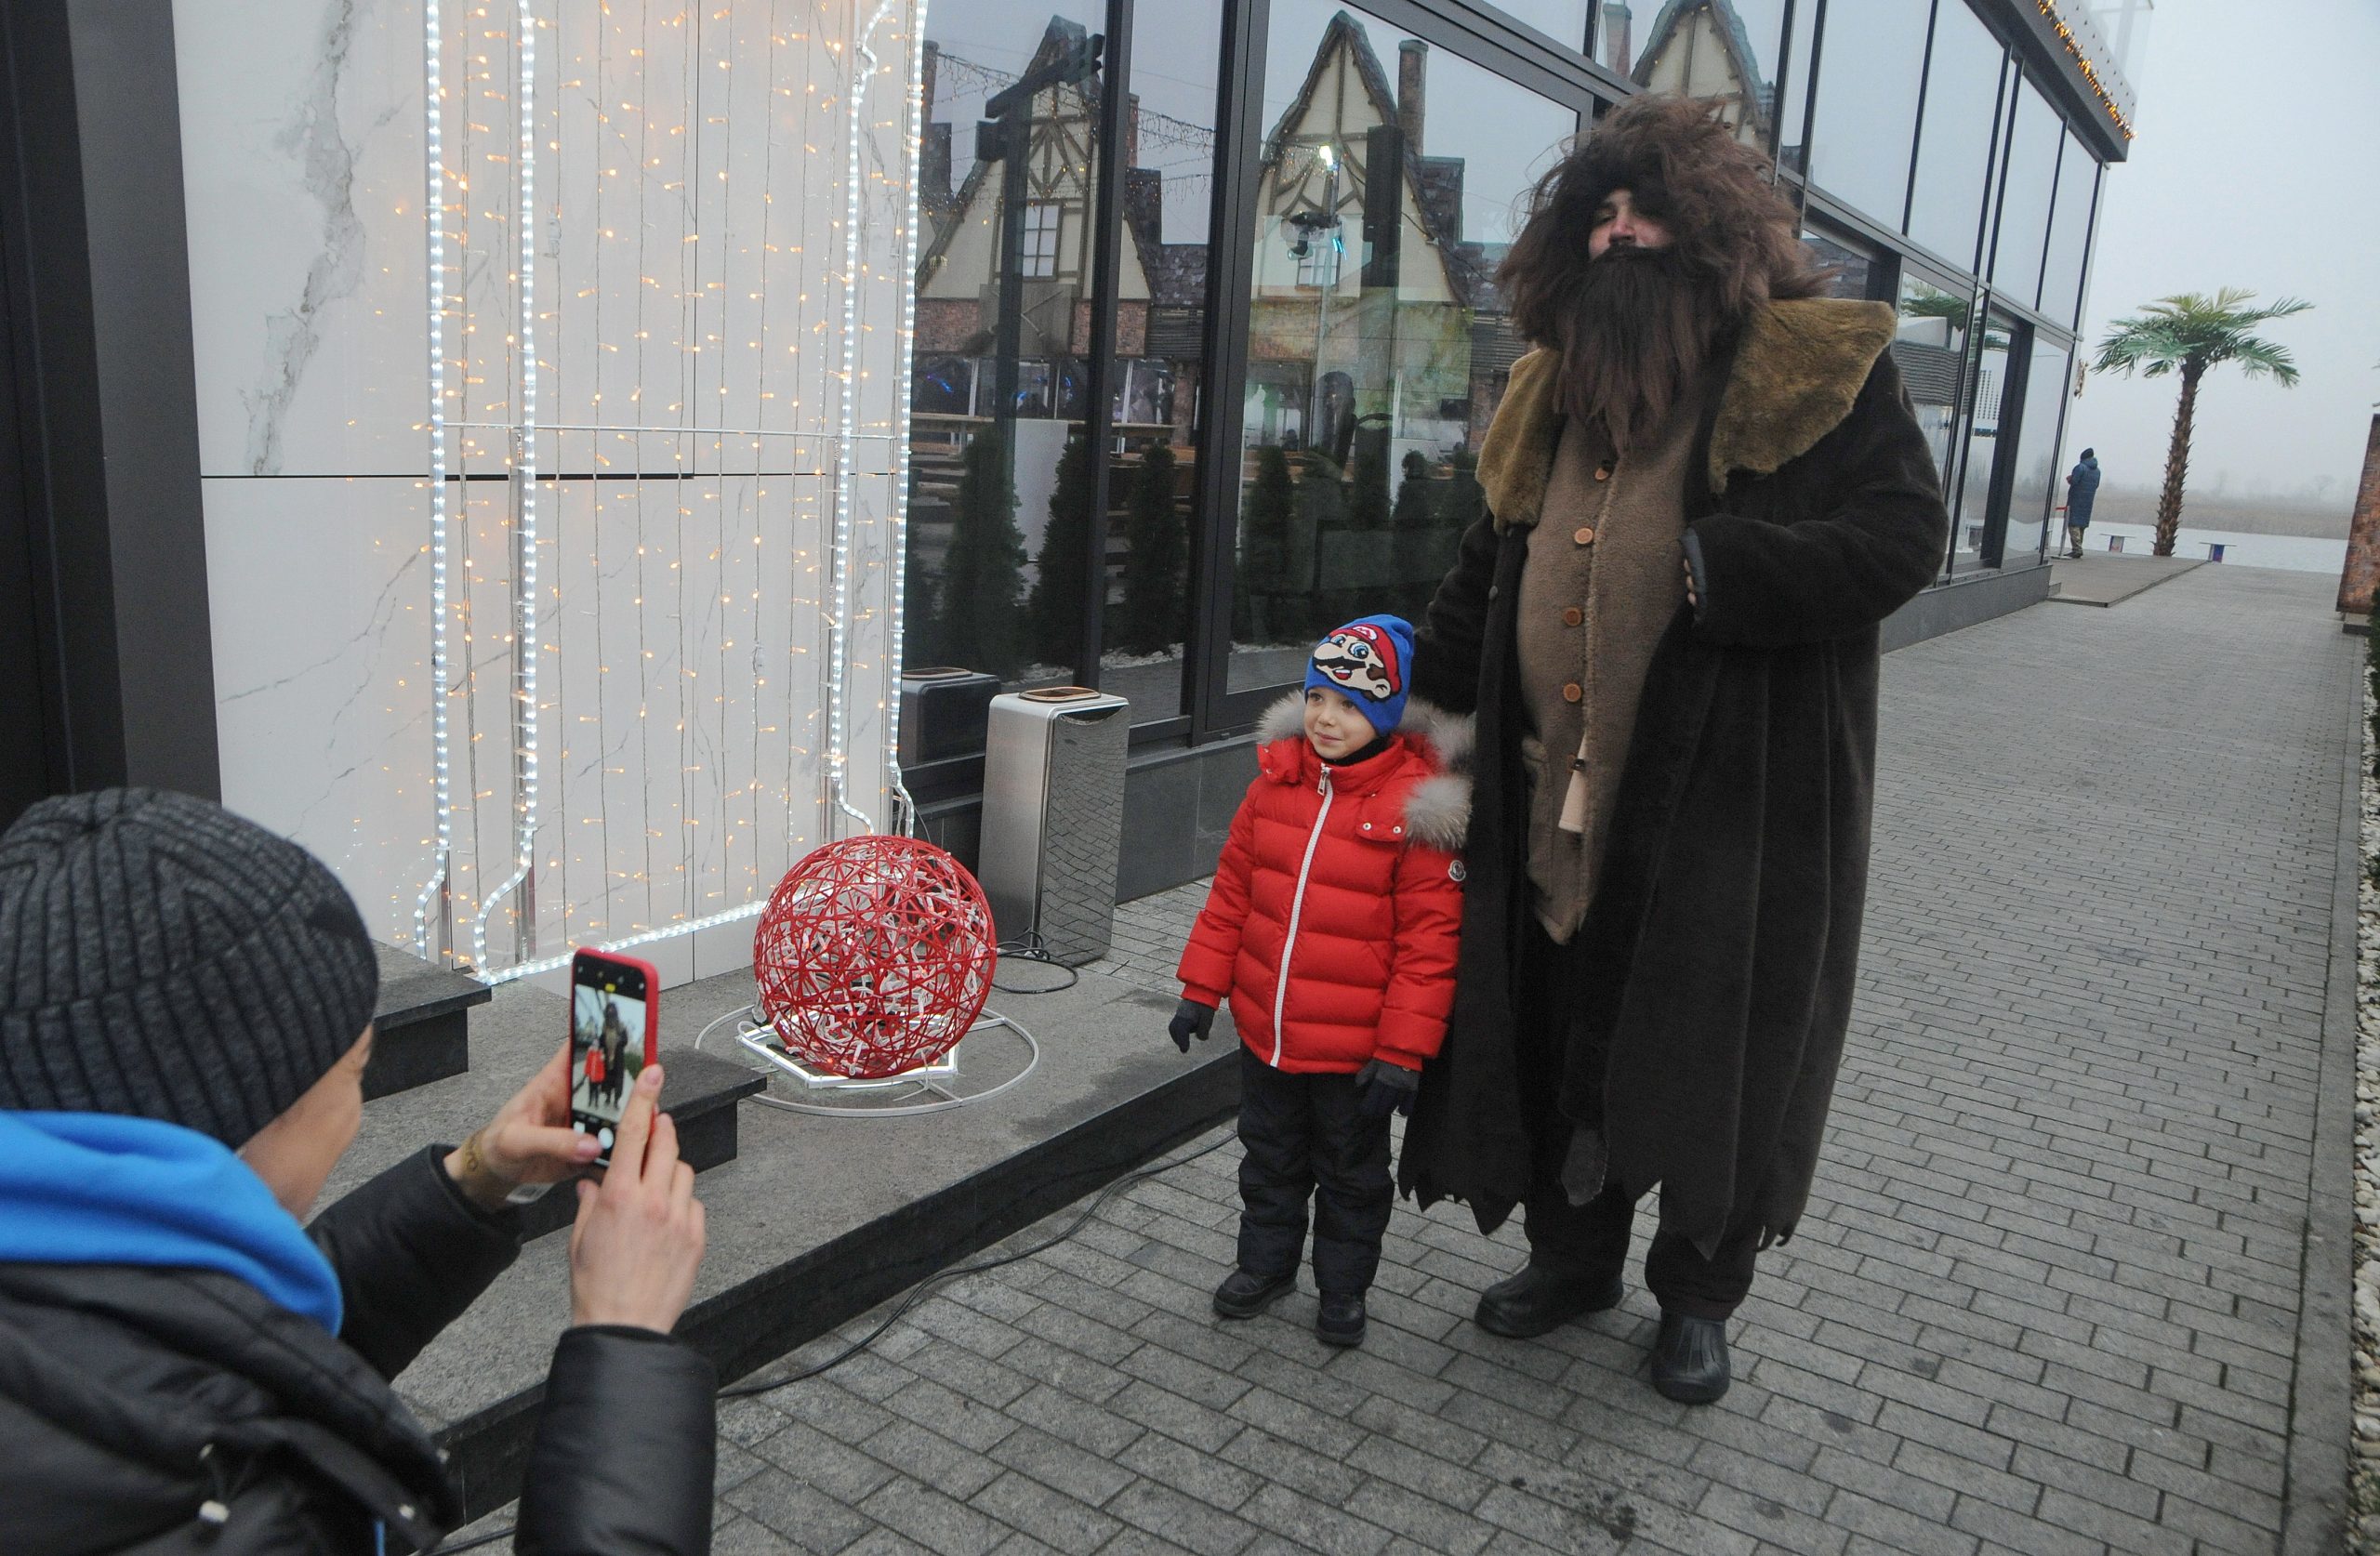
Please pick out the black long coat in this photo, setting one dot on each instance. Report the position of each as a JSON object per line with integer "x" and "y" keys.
{"x": 1720, "y": 949}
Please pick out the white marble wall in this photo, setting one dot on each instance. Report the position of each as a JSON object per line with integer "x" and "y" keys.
{"x": 689, "y": 205}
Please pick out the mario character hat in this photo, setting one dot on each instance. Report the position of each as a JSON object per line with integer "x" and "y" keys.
{"x": 1368, "y": 661}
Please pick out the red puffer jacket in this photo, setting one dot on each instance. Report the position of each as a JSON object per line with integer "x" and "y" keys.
{"x": 1333, "y": 920}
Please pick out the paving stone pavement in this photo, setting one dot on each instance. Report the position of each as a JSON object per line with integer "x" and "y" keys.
{"x": 2045, "y": 1300}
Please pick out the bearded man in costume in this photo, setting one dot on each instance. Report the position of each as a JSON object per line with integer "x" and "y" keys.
{"x": 1703, "y": 492}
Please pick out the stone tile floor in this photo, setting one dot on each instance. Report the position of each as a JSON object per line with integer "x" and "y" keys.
{"x": 2045, "y": 1299}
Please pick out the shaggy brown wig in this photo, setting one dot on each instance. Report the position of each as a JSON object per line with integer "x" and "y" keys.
{"x": 1633, "y": 329}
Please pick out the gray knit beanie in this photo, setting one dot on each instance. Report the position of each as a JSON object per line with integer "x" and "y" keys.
{"x": 160, "y": 956}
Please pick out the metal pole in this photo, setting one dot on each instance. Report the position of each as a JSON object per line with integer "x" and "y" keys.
{"x": 1016, "y": 146}
{"x": 1106, "y": 266}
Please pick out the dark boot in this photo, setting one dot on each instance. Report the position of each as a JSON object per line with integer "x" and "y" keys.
{"x": 1339, "y": 1321}
{"x": 1690, "y": 1359}
{"x": 1538, "y": 1301}
{"x": 1244, "y": 1295}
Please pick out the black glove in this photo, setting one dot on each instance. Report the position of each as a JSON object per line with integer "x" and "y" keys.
{"x": 1381, "y": 1087}
{"x": 1190, "y": 1017}
{"x": 1584, "y": 1166}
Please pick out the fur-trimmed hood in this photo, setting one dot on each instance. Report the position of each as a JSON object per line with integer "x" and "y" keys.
{"x": 1437, "y": 810}
{"x": 1796, "y": 373}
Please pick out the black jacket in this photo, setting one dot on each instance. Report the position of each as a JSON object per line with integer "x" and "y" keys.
{"x": 1719, "y": 951}
{"x": 163, "y": 1411}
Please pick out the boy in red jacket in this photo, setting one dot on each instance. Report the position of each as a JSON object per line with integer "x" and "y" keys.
{"x": 1331, "y": 926}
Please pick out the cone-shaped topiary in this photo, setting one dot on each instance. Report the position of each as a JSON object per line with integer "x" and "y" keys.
{"x": 1054, "y": 611}
{"x": 1156, "y": 595}
{"x": 984, "y": 572}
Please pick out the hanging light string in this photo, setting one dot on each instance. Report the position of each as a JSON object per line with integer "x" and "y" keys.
{"x": 441, "y": 794}
{"x": 802, "y": 558}
{"x": 524, "y": 480}
{"x": 466, "y": 606}
{"x": 760, "y": 417}
{"x": 848, "y": 573}
{"x": 685, "y": 447}
{"x": 904, "y": 347}
{"x": 642, "y": 73}
{"x": 598, "y": 517}
{"x": 840, "y": 617}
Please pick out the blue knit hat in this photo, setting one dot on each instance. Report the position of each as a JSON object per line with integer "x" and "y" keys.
{"x": 1368, "y": 661}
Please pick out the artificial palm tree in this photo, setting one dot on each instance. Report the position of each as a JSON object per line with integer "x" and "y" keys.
{"x": 2188, "y": 334}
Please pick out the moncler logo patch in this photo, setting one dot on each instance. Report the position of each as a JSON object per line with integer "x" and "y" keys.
{"x": 1456, "y": 872}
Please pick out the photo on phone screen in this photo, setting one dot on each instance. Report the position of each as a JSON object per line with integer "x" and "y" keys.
{"x": 607, "y": 1047}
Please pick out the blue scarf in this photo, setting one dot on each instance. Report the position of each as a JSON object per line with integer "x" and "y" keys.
{"x": 98, "y": 1188}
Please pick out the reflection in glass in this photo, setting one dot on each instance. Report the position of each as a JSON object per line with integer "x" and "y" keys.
{"x": 1856, "y": 267}
{"x": 1161, "y": 324}
{"x": 2038, "y": 487}
{"x": 2025, "y": 196}
{"x": 1002, "y": 329}
{"x": 1963, "y": 87}
{"x": 2070, "y": 232}
{"x": 1930, "y": 350}
{"x": 1867, "y": 113}
{"x": 1723, "y": 51}
{"x": 1794, "y": 104}
{"x": 1372, "y": 372}
{"x": 1975, "y": 540}
{"x": 1563, "y": 20}
{"x": 1002, "y": 533}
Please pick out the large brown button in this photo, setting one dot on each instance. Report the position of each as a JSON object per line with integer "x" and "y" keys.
{"x": 1603, "y": 471}
{"x": 1584, "y": 534}
{"x": 1573, "y": 617}
{"x": 1573, "y": 692}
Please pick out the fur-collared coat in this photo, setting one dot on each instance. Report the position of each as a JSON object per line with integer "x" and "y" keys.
{"x": 1331, "y": 924}
{"x": 1720, "y": 948}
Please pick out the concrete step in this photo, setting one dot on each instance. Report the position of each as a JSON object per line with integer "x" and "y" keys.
{"x": 421, "y": 1023}
{"x": 815, "y": 1220}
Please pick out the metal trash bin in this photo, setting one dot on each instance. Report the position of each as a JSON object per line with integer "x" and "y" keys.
{"x": 1054, "y": 818}
{"x": 943, "y": 711}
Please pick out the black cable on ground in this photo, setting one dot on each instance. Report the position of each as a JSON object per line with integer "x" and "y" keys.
{"x": 1031, "y": 949}
{"x": 917, "y": 1294}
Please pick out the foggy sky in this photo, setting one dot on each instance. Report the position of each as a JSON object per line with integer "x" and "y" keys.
{"x": 2257, "y": 163}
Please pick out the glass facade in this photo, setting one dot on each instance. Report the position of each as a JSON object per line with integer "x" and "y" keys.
{"x": 2069, "y": 233}
{"x": 1370, "y": 381}
{"x": 1948, "y": 196}
{"x": 1203, "y": 369}
{"x": 2039, "y": 489}
{"x": 2026, "y": 193}
{"x": 1870, "y": 74}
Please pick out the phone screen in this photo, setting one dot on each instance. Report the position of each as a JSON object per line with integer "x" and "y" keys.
{"x": 607, "y": 1025}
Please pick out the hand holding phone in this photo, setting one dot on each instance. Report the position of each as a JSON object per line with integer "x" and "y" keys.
{"x": 638, "y": 1237}
{"x": 528, "y": 1146}
{"x": 615, "y": 1034}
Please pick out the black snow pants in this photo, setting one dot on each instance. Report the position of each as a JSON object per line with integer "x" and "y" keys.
{"x": 1305, "y": 1138}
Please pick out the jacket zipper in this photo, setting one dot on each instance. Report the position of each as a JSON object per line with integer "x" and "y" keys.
{"x": 1297, "y": 910}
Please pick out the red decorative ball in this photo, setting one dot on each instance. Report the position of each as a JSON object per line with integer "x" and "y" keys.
{"x": 875, "y": 956}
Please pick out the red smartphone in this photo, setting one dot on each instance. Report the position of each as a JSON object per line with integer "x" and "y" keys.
{"x": 614, "y": 1032}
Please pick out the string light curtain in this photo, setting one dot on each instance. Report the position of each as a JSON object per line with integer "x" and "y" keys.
{"x": 668, "y": 330}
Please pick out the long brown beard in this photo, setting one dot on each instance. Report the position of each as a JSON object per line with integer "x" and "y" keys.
{"x": 1635, "y": 339}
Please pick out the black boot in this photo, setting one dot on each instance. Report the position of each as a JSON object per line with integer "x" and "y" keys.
{"x": 1339, "y": 1321}
{"x": 1244, "y": 1295}
{"x": 1538, "y": 1301}
{"x": 1690, "y": 1359}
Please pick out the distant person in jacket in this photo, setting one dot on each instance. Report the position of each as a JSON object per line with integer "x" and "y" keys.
{"x": 185, "y": 1016}
{"x": 1332, "y": 927}
{"x": 2081, "y": 490}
